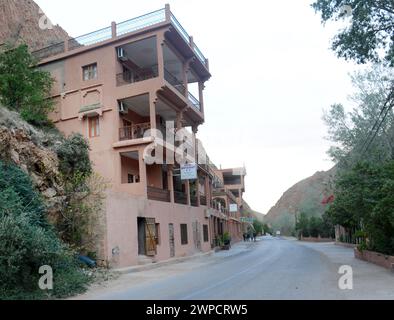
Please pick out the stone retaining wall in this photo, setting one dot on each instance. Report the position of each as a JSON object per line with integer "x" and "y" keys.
{"x": 376, "y": 258}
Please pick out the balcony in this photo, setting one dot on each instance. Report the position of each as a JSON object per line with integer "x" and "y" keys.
{"x": 135, "y": 131}
{"x": 157, "y": 194}
{"x": 153, "y": 19}
{"x": 180, "y": 197}
{"x": 129, "y": 76}
{"x": 175, "y": 82}
{"x": 203, "y": 200}
{"x": 194, "y": 102}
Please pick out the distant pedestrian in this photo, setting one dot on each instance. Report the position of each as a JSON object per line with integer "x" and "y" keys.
{"x": 244, "y": 237}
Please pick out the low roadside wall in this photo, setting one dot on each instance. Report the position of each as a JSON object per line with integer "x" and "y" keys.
{"x": 375, "y": 258}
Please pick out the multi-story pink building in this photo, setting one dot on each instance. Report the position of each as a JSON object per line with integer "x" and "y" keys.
{"x": 122, "y": 87}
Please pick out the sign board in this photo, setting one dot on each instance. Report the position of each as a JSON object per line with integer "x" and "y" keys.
{"x": 189, "y": 171}
{"x": 233, "y": 208}
{"x": 248, "y": 220}
{"x": 278, "y": 233}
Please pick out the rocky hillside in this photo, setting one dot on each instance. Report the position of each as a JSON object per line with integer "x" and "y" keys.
{"x": 33, "y": 151}
{"x": 305, "y": 196}
{"x": 20, "y": 23}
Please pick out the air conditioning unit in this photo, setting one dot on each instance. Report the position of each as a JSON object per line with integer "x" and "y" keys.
{"x": 122, "y": 56}
{"x": 122, "y": 107}
{"x": 208, "y": 213}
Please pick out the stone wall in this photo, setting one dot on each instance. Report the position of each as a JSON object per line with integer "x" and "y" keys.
{"x": 376, "y": 258}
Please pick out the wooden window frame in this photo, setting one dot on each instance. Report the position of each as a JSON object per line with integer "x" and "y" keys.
{"x": 92, "y": 74}
{"x": 94, "y": 126}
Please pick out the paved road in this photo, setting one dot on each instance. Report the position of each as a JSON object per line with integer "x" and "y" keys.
{"x": 269, "y": 269}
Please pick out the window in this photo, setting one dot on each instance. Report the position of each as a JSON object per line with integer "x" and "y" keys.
{"x": 90, "y": 72}
{"x": 130, "y": 178}
{"x": 184, "y": 239}
{"x": 94, "y": 127}
{"x": 157, "y": 234}
{"x": 206, "y": 234}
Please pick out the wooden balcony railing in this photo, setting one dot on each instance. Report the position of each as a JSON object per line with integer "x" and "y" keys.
{"x": 157, "y": 194}
{"x": 136, "y": 131}
{"x": 193, "y": 200}
{"x": 180, "y": 197}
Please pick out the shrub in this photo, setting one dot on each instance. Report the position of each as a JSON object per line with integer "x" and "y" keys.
{"x": 74, "y": 160}
{"x": 27, "y": 243}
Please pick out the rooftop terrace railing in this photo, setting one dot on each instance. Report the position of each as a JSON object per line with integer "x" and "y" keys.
{"x": 90, "y": 38}
{"x": 122, "y": 28}
{"x": 141, "y": 22}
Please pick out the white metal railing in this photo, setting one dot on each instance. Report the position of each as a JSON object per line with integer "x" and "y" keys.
{"x": 141, "y": 22}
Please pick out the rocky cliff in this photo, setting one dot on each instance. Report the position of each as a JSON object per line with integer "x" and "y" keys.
{"x": 22, "y": 21}
{"x": 33, "y": 151}
{"x": 305, "y": 196}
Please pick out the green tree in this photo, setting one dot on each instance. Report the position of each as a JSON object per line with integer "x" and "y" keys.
{"x": 258, "y": 227}
{"x": 370, "y": 29}
{"x": 349, "y": 130}
{"x": 24, "y": 87}
{"x": 302, "y": 225}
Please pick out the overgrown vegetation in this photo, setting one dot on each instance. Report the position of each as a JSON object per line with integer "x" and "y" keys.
{"x": 81, "y": 221}
{"x": 27, "y": 242}
{"x": 364, "y": 138}
{"x": 24, "y": 87}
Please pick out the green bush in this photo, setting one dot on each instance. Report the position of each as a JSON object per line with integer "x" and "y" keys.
{"x": 27, "y": 243}
{"x": 24, "y": 87}
{"x": 73, "y": 156}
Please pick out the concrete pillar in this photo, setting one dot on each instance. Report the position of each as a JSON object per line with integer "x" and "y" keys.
{"x": 207, "y": 192}
{"x": 143, "y": 175}
{"x": 170, "y": 178}
{"x": 201, "y": 88}
{"x": 168, "y": 12}
{"x": 187, "y": 188}
{"x": 113, "y": 29}
{"x": 152, "y": 105}
{"x": 160, "y": 54}
{"x": 185, "y": 74}
{"x": 198, "y": 191}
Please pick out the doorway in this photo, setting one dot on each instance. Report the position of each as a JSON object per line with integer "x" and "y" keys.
{"x": 147, "y": 239}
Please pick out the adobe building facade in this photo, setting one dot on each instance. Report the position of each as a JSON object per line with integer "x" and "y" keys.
{"x": 130, "y": 89}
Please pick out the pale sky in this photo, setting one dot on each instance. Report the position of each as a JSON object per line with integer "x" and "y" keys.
{"x": 272, "y": 75}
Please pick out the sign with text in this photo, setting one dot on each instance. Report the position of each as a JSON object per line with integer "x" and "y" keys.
{"x": 233, "y": 208}
{"x": 189, "y": 171}
{"x": 248, "y": 220}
